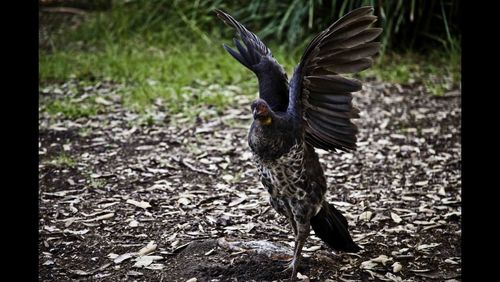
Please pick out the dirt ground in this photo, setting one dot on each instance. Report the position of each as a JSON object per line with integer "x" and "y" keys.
{"x": 164, "y": 199}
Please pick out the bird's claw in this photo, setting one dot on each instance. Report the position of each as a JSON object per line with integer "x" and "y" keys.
{"x": 289, "y": 265}
{"x": 292, "y": 265}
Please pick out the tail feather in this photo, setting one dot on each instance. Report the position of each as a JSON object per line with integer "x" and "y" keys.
{"x": 331, "y": 226}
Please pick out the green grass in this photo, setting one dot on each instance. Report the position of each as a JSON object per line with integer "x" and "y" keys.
{"x": 439, "y": 71}
{"x": 189, "y": 79}
{"x": 70, "y": 109}
{"x": 84, "y": 132}
{"x": 63, "y": 160}
{"x": 169, "y": 54}
{"x": 180, "y": 75}
{"x": 97, "y": 183}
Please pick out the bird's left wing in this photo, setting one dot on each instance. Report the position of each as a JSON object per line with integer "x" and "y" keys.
{"x": 273, "y": 81}
{"x": 319, "y": 94}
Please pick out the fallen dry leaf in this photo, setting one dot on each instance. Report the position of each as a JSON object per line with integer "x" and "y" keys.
{"x": 302, "y": 277}
{"x": 141, "y": 204}
{"x": 369, "y": 264}
{"x": 144, "y": 261}
{"x": 312, "y": 248}
{"x": 427, "y": 246}
{"x": 103, "y": 101}
{"x": 155, "y": 266}
{"x": 134, "y": 273}
{"x": 383, "y": 259}
{"x": 123, "y": 257}
{"x": 396, "y": 267}
{"x": 184, "y": 201}
{"x": 102, "y": 217}
{"x": 80, "y": 272}
{"x": 150, "y": 247}
{"x": 396, "y": 218}
{"x": 133, "y": 223}
{"x": 365, "y": 216}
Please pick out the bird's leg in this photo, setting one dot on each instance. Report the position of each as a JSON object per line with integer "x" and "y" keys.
{"x": 289, "y": 261}
{"x": 303, "y": 230}
{"x": 294, "y": 226}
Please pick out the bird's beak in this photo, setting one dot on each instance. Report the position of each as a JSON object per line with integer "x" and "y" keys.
{"x": 262, "y": 116}
{"x": 256, "y": 114}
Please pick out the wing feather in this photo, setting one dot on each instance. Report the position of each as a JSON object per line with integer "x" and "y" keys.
{"x": 254, "y": 54}
{"x": 320, "y": 94}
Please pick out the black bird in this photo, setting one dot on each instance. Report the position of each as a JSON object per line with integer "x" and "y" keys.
{"x": 313, "y": 109}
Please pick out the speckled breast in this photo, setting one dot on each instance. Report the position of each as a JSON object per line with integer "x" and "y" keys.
{"x": 284, "y": 176}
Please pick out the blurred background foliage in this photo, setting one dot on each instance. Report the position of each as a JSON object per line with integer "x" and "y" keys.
{"x": 157, "y": 48}
{"x": 408, "y": 24}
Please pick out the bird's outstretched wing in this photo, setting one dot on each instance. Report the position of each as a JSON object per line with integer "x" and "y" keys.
{"x": 273, "y": 82}
{"x": 323, "y": 97}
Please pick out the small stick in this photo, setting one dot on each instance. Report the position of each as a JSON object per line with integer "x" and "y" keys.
{"x": 191, "y": 167}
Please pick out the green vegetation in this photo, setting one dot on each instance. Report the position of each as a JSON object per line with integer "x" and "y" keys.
{"x": 63, "y": 160}
{"x": 97, "y": 183}
{"x": 439, "y": 71}
{"x": 173, "y": 49}
{"x": 70, "y": 109}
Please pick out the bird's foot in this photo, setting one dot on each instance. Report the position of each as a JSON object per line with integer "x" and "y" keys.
{"x": 292, "y": 265}
{"x": 294, "y": 271}
{"x": 289, "y": 265}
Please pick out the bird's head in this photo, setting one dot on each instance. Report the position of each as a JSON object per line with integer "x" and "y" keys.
{"x": 261, "y": 112}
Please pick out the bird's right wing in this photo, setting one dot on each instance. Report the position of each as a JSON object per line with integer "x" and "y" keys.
{"x": 273, "y": 81}
{"x": 319, "y": 94}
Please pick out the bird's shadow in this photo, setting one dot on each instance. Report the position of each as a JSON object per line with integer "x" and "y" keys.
{"x": 207, "y": 260}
